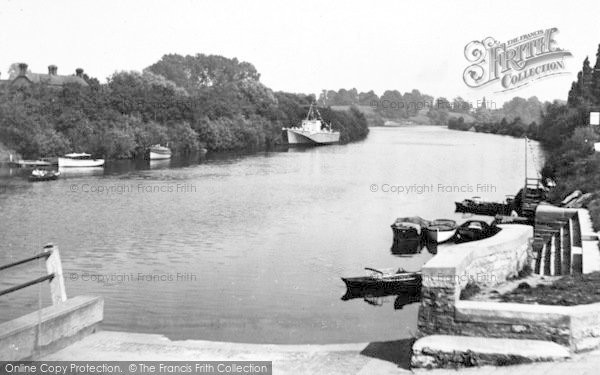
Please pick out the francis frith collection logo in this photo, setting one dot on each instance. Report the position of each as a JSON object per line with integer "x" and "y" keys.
{"x": 514, "y": 63}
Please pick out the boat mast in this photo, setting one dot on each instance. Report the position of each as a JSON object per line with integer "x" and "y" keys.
{"x": 525, "y": 186}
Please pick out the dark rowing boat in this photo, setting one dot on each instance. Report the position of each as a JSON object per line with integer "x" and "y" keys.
{"x": 406, "y": 228}
{"x": 383, "y": 282}
{"x": 477, "y": 229}
{"x": 479, "y": 207}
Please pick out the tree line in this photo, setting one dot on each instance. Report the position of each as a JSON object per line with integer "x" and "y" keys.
{"x": 569, "y": 139}
{"x": 517, "y": 117}
{"x": 564, "y": 131}
{"x": 189, "y": 102}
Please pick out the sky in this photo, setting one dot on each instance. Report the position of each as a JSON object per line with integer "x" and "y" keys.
{"x": 299, "y": 46}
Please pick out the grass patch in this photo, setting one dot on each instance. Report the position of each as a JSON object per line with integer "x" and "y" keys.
{"x": 469, "y": 290}
{"x": 566, "y": 291}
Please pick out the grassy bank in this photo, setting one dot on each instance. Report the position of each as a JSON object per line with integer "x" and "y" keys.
{"x": 566, "y": 291}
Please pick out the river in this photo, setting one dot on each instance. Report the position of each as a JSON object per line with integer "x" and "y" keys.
{"x": 249, "y": 248}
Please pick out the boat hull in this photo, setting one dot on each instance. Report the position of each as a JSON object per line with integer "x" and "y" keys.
{"x": 439, "y": 236}
{"x": 77, "y": 163}
{"x": 49, "y": 177}
{"x": 483, "y": 208}
{"x": 29, "y": 164}
{"x": 159, "y": 156}
{"x": 301, "y": 137}
{"x": 469, "y": 232}
{"x": 402, "y": 233}
{"x": 384, "y": 285}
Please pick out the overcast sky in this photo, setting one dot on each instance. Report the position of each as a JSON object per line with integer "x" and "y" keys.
{"x": 301, "y": 46}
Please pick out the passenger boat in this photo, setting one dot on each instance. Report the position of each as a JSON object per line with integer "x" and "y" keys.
{"x": 477, "y": 229}
{"x": 441, "y": 230}
{"x": 479, "y": 207}
{"x": 79, "y": 160}
{"x": 408, "y": 228}
{"x": 43, "y": 175}
{"x": 383, "y": 281}
{"x": 312, "y": 131}
{"x": 158, "y": 152}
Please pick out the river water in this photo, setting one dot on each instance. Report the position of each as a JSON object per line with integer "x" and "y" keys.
{"x": 249, "y": 248}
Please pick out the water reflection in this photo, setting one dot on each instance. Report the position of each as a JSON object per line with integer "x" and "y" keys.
{"x": 407, "y": 247}
{"x": 72, "y": 172}
{"x": 160, "y": 164}
{"x": 400, "y": 297}
{"x": 410, "y": 247}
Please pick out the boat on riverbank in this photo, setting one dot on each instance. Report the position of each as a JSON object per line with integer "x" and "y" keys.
{"x": 158, "y": 152}
{"x": 441, "y": 230}
{"x": 312, "y": 131}
{"x": 79, "y": 160}
{"x": 383, "y": 281}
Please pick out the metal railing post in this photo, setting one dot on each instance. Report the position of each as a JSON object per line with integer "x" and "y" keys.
{"x": 54, "y": 266}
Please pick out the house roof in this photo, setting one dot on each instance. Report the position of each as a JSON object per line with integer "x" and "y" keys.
{"x": 54, "y": 80}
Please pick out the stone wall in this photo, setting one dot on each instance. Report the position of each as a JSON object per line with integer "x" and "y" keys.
{"x": 487, "y": 262}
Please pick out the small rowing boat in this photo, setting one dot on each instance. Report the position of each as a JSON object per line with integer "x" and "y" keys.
{"x": 384, "y": 281}
{"x": 405, "y": 228}
{"x": 441, "y": 230}
{"x": 43, "y": 175}
{"x": 478, "y": 206}
{"x": 477, "y": 229}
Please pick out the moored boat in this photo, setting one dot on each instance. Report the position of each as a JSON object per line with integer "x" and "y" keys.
{"x": 79, "y": 160}
{"x": 384, "y": 281}
{"x": 43, "y": 175}
{"x": 477, "y": 229}
{"x": 441, "y": 230}
{"x": 405, "y": 228}
{"x": 158, "y": 152}
{"x": 29, "y": 163}
{"x": 478, "y": 206}
{"x": 312, "y": 131}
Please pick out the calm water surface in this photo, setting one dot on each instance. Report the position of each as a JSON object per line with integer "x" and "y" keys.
{"x": 248, "y": 248}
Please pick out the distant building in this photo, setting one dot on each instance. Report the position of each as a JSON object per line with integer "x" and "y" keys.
{"x": 52, "y": 79}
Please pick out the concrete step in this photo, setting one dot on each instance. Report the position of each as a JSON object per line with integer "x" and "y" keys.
{"x": 330, "y": 359}
{"x": 445, "y": 351}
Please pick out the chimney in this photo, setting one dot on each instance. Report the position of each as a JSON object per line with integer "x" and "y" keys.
{"x": 79, "y": 72}
{"x": 52, "y": 70}
{"x": 22, "y": 69}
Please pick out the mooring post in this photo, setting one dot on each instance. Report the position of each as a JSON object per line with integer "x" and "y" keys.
{"x": 54, "y": 266}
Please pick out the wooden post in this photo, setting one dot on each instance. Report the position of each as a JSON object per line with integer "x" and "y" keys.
{"x": 54, "y": 266}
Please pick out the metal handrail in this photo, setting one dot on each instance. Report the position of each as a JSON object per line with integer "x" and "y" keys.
{"x": 19, "y": 262}
{"x": 54, "y": 276}
{"x": 25, "y": 285}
